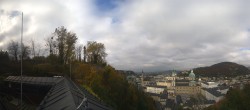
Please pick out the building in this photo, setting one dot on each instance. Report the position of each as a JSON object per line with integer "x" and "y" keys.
{"x": 189, "y": 86}
{"x": 155, "y": 89}
{"x": 186, "y": 89}
{"x": 165, "y": 83}
{"x": 131, "y": 79}
{"x": 163, "y": 98}
{"x": 215, "y": 94}
{"x": 172, "y": 77}
{"x": 55, "y": 93}
{"x": 209, "y": 84}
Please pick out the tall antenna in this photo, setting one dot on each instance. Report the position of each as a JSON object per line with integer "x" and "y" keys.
{"x": 22, "y": 63}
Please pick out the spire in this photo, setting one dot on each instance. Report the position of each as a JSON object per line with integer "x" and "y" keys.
{"x": 142, "y": 78}
{"x": 142, "y": 74}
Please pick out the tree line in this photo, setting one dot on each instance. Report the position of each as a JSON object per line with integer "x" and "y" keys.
{"x": 62, "y": 47}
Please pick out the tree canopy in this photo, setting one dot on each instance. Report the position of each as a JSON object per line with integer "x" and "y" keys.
{"x": 65, "y": 44}
{"x": 96, "y": 52}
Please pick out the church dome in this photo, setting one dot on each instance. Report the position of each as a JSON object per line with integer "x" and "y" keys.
{"x": 192, "y": 75}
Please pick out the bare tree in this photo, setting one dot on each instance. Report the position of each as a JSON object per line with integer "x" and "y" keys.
{"x": 25, "y": 51}
{"x": 79, "y": 52}
{"x": 13, "y": 49}
{"x": 35, "y": 48}
{"x": 50, "y": 42}
{"x": 33, "y": 52}
{"x": 38, "y": 50}
{"x": 84, "y": 54}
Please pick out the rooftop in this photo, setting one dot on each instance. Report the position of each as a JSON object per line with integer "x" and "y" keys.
{"x": 64, "y": 94}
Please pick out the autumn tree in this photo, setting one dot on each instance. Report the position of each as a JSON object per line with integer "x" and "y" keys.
{"x": 65, "y": 43}
{"x": 96, "y": 52}
{"x": 13, "y": 49}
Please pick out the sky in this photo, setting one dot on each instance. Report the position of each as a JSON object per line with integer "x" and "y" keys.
{"x": 153, "y": 35}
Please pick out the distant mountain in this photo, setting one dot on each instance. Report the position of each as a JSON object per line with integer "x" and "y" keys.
{"x": 127, "y": 72}
{"x": 155, "y": 73}
{"x": 226, "y": 69}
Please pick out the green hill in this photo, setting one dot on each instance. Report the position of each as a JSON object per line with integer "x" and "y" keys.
{"x": 223, "y": 69}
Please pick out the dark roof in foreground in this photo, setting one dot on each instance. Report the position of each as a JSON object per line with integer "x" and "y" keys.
{"x": 63, "y": 95}
{"x": 35, "y": 80}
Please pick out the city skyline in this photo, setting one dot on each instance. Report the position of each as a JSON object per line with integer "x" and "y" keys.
{"x": 148, "y": 35}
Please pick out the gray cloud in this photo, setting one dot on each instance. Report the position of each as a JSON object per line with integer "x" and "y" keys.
{"x": 149, "y": 35}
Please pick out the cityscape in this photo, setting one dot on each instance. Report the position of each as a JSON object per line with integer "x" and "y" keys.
{"x": 172, "y": 91}
{"x": 124, "y": 55}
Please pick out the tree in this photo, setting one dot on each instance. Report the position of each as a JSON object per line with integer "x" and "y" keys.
{"x": 35, "y": 48}
{"x": 70, "y": 46}
{"x": 13, "y": 49}
{"x": 65, "y": 44}
{"x": 4, "y": 56}
{"x": 50, "y": 42}
{"x": 25, "y": 51}
{"x": 96, "y": 52}
{"x": 79, "y": 52}
{"x": 84, "y": 54}
{"x": 235, "y": 99}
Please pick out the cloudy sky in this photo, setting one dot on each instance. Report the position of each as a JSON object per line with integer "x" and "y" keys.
{"x": 152, "y": 35}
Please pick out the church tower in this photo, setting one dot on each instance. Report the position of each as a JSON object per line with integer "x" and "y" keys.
{"x": 192, "y": 81}
{"x": 174, "y": 78}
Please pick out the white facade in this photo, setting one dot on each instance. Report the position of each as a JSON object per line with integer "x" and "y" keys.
{"x": 209, "y": 84}
{"x": 170, "y": 78}
{"x": 155, "y": 89}
{"x": 164, "y": 83}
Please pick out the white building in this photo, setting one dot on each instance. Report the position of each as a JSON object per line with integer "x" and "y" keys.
{"x": 209, "y": 84}
{"x": 155, "y": 89}
{"x": 165, "y": 83}
{"x": 170, "y": 78}
{"x": 215, "y": 94}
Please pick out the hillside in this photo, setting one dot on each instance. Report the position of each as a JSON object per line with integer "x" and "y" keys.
{"x": 127, "y": 72}
{"x": 227, "y": 69}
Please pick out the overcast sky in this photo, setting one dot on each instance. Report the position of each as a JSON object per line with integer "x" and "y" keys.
{"x": 152, "y": 35}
